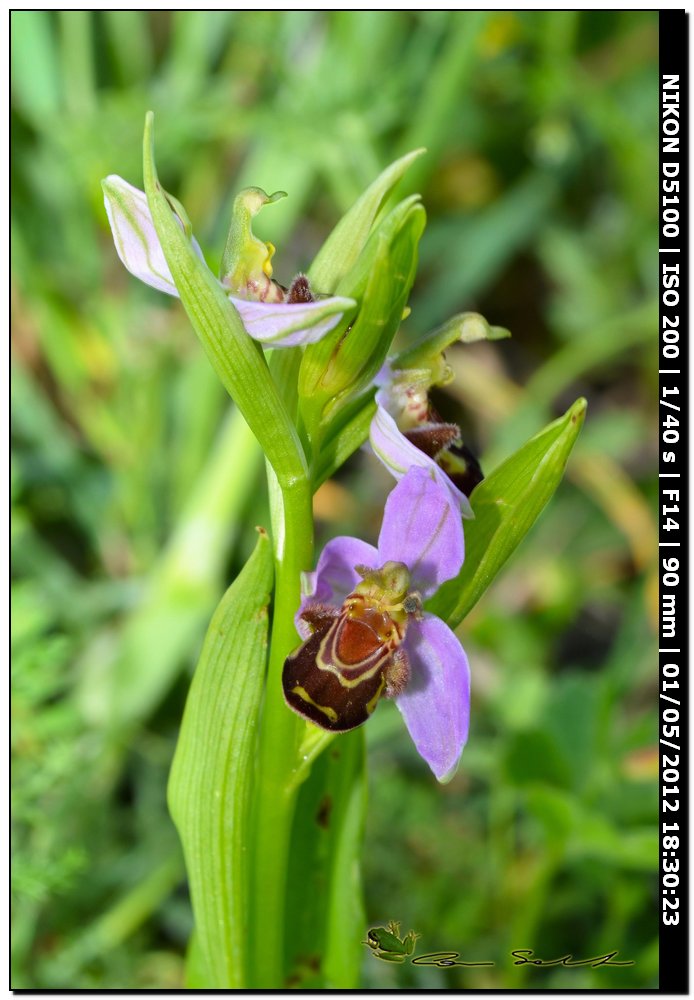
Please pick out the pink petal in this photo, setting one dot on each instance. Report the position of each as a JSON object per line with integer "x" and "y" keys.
{"x": 398, "y": 455}
{"x": 281, "y": 324}
{"x": 135, "y": 237}
{"x": 423, "y": 529}
{"x": 436, "y": 703}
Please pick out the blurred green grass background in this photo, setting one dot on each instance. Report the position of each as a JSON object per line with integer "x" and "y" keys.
{"x": 134, "y": 484}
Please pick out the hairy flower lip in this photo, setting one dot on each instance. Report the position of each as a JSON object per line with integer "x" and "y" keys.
{"x": 277, "y": 324}
{"x": 421, "y": 528}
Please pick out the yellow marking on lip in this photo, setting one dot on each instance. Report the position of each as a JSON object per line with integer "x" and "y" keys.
{"x": 346, "y": 682}
{"x": 371, "y": 704}
{"x": 305, "y": 696}
{"x": 337, "y": 671}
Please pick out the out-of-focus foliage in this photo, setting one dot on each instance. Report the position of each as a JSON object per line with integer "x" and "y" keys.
{"x": 128, "y": 494}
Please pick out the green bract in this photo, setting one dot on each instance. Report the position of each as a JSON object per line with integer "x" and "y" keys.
{"x": 342, "y": 248}
{"x": 238, "y": 361}
{"x": 506, "y": 506}
{"x": 347, "y": 359}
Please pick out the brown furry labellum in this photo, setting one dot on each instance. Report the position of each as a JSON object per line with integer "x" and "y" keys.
{"x": 443, "y": 443}
{"x": 352, "y": 658}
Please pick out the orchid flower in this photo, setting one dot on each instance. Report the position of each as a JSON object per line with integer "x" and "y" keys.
{"x": 407, "y": 431}
{"x": 366, "y": 635}
{"x": 269, "y": 314}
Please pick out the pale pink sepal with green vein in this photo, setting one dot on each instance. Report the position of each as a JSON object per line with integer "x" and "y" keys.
{"x": 275, "y": 323}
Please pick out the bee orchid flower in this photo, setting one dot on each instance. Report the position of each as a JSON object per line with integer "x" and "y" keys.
{"x": 406, "y": 430}
{"x": 366, "y": 635}
{"x": 271, "y": 315}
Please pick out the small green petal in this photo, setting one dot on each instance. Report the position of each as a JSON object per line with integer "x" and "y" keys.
{"x": 246, "y": 262}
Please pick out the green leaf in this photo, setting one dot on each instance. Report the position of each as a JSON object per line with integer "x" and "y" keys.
{"x": 196, "y": 976}
{"x": 595, "y": 837}
{"x": 307, "y": 875}
{"x": 237, "y": 360}
{"x": 506, "y": 505}
{"x": 324, "y": 898}
{"x": 341, "y": 250}
{"x": 346, "y": 918}
{"x": 77, "y": 58}
{"x": 388, "y": 278}
{"x": 129, "y": 43}
{"x": 213, "y": 769}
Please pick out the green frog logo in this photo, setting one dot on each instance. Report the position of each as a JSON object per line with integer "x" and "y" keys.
{"x": 386, "y": 943}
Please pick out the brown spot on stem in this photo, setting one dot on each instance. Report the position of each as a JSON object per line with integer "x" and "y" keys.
{"x": 324, "y": 812}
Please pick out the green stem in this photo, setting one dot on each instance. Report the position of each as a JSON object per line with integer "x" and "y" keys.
{"x": 281, "y": 732}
